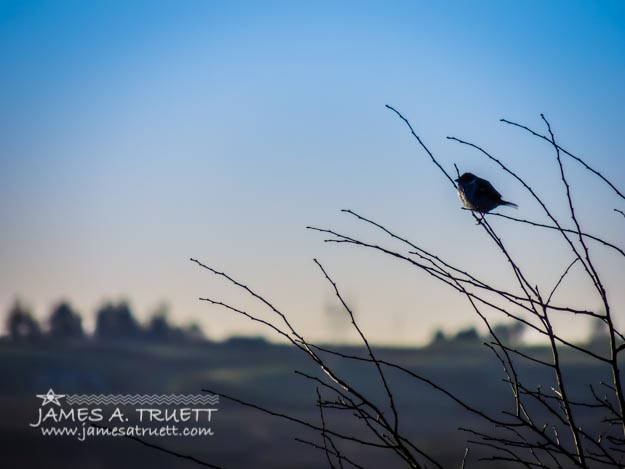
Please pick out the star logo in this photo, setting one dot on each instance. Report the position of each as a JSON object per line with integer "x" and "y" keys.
{"x": 50, "y": 398}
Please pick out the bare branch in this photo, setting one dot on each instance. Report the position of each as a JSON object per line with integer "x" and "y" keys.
{"x": 427, "y": 150}
{"x": 579, "y": 160}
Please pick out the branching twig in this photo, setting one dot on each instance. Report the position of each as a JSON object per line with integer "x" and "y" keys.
{"x": 543, "y": 429}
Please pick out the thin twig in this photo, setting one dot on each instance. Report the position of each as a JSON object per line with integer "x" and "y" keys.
{"x": 579, "y": 160}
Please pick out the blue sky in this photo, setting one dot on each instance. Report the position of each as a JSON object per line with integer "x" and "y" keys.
{"x": 134, "y": 135}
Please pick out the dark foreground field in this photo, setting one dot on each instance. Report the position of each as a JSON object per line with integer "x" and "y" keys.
{"x": 253, "y": 371}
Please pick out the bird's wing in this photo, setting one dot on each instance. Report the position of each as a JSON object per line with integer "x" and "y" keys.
{"x": 483, "y": 187}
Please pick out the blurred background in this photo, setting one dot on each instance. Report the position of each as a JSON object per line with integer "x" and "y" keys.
{"x": 136, "y": 135}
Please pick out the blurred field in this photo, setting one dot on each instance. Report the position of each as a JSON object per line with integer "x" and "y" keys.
{"x": 253, "y": 371}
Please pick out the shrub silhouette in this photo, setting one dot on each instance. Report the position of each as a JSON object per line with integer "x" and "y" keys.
{"x": 65, "y": 323}
{"x": 116, "y": 322}
{"x": 21, "y": 324}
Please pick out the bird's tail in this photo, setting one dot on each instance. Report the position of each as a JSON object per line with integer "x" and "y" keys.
{"x": 511, "y": 204}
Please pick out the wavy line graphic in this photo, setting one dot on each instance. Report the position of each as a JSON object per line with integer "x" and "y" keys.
{"x": 143, "y": 399}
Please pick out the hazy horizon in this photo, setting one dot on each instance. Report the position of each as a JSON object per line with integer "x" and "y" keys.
{"x": 135, "y": 135}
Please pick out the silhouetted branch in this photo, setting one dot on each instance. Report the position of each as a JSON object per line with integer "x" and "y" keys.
{"x": 366, "y": 342}
{"x": 543, "y": 428}
{"x": 579, "y": 160}
{"x": 299, "y": 421}
{"x": 464, "y": 458}
{"x": 566, "y": 230}
{"x": 559, "y": 282}
{"x": 325, "y": 437}
{"x": 427, "y": 150}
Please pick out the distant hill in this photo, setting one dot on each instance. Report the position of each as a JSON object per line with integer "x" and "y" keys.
{"x": 252, "y": 370}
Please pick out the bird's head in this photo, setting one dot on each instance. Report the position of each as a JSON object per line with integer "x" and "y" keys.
{"x": 466, "y": 177}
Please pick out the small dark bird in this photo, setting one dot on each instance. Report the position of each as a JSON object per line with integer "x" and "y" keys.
{"x": 478, "y": 194}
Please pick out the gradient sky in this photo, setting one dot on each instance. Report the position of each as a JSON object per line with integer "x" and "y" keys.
{"x": 137, "y": 134}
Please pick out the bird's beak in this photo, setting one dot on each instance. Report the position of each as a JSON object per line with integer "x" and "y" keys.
{"x": 457, "y": 180}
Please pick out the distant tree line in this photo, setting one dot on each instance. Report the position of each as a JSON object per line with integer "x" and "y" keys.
{"x": 114, "y": 321}
{"x": 510, "y": 334}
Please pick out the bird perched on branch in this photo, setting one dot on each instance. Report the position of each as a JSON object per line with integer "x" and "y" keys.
{"x": 478, "y": 194}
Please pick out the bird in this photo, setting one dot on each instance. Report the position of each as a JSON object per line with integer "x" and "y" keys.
{"x": 478, "y": 194}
